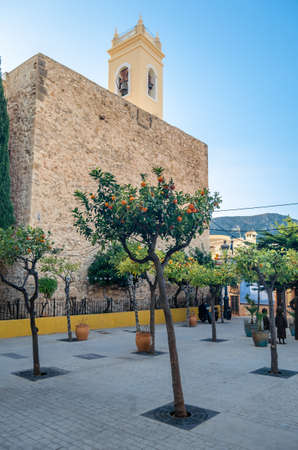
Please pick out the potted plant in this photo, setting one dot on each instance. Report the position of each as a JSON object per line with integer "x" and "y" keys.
{"x": 143, "y": 340}
{"x": 193, "y": 320}
{"x": 260, "y": 336}
{"x": 82, "y": 331}
{"x": 249, "y": 324}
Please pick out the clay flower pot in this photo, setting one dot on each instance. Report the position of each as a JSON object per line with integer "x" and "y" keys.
{"x": 260, "y": 338}
{"x": 143, "y": 341}
{"x": 82, "y": 331}
{"x": 193, "y": 320}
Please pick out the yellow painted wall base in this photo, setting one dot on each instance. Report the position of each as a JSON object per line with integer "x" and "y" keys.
{"x": 50, "y": 325}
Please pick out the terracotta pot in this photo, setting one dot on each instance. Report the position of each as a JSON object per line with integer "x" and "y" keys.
{"x": 143, "y": 341}
{"x": 193, "y": 320}
{"x": 82, "y": 331}
{"x": 260, "y": 338}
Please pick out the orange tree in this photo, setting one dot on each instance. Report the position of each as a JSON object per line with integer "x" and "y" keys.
{"x": 25, "y": 246}
{"x": 147, "y": 214}
{"x": 215, "y": 277}
{"x": 62, "y": 268}
{"x": 177, "y": 271}
{"x": 146, "y": 271}
{"x": 271, "y": 267}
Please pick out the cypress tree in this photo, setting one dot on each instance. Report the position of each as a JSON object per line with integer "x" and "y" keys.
{"x": 6, "y": 208}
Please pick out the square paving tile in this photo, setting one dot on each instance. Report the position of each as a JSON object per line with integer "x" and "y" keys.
{"x": 217, "y": 340}
{"x": 156, "y": 353}
{"x": 196, "y": 416}
{"x": 283, "y": 373}
{"x": 90, "y": 356}
{"x": 13, "y": 355}
{"x": 46, "y": 372}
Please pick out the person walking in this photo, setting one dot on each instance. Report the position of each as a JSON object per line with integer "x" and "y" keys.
{"x": 281, "y": 325}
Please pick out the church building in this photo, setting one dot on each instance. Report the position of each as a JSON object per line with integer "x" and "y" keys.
{"x": 63, "y": 125}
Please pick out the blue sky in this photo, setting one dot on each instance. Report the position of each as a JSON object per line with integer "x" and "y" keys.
{"x": 230, "y": 77}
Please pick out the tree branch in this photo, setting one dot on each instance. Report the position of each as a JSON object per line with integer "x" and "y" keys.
{"x": 9, "y": 283}
{"x": 132, "y": 257}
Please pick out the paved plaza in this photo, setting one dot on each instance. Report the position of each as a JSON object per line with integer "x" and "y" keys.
{"x": 99, "y": 402}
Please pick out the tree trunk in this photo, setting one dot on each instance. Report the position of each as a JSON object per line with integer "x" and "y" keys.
{"x": 273, "y": 345}
{"x": 132, "y": 292}
{"x": 196, "y": 297}
{"x": 152, "y": 318}
{"x": 284, "y": 302}
{"x": 179, "y": 406}
{"x": 296, "y": 314}
{"x": 278, "y": 296}
{"x": 221, "y": 308}
{"x": 259, "y": 297}
{"x": 187, "y": 298}
{"x": 175, "y": 296}
{"x": 68, "y": 310}
{"x": 213, "y": 323}
{"x": 34, "y": 332}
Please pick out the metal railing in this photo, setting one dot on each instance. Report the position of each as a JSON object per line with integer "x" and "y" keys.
{"x": 16, "y": 309}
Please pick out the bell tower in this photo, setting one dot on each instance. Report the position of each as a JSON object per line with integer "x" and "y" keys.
{"x": 136, "y": 68}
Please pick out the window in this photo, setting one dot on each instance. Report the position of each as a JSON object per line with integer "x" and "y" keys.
{"x": 151, "y": 84}
{"x": 122, "y": 81}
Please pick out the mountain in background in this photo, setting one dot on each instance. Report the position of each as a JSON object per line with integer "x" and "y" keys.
{"x": 236, "y": 226}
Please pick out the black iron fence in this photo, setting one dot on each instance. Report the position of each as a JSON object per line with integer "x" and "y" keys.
{"x": 16, "y": 309}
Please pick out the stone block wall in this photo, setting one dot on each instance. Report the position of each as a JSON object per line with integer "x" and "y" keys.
{"x": 62, "y": 126}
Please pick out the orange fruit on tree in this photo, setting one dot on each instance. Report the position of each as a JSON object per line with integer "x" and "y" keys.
{"x": 160, "y": 179}
{"x": 175, "y": 201}
{"x": 127, "y": 207}
{"x": 202, "y": 192}
{"x": 179, "y": 218}
{"x": 106, "y": 204}
{"x": 143, "y": 184}
{"x": 131, "y": 199}
{"x": 191, "y": 206}
{"x": 189, "y": 211}
{"x": 113, "y": 197}
{"x": 110, "y": 207}
{"x": 145, "y": 209}
{"x": 123, "y": 202}
{"x": 92, "y": 196}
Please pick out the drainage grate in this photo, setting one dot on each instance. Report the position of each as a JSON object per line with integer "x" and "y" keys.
{"x": 46, "y": 372}
{"x": 90, "y": 356}
{"x": 156, "y": 353}
{"x": 196, "y": 416}
{"x": 282, "y": 372}
{"x": 13, "y": 355}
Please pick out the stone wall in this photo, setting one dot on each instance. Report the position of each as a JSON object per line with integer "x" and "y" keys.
{"x": 20, "y": 91}
{"x": 78, "y": 126}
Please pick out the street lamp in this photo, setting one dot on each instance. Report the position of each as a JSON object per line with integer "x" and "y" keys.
{"x": 225, "y": 248}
